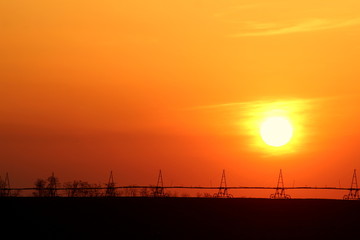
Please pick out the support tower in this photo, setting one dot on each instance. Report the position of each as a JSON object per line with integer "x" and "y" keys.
{"x": 110, "y": 186}
{"x": 159, "y": 189}
{"x": 354, "y": 190}
{"x": 280, "y": 189}
{"x": 223, "y": 190}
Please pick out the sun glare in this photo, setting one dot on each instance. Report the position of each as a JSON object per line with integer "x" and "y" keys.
{"x": 275, "y": 127}
{"x": 276, "y": 131}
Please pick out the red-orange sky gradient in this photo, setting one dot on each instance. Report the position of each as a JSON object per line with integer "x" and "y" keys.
{"x": 136, "y": 86}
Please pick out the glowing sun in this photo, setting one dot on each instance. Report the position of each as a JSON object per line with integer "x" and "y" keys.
{"x": 276, "y": 131}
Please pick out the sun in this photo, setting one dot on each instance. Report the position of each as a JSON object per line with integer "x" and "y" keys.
{"x": 276, "y": 131}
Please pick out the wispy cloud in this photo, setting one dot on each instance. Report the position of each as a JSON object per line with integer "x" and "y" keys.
{"x": 271, "y": 28}
{"x": 261, "y": 103}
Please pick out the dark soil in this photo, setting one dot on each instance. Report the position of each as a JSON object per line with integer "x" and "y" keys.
{"x": 178, "y": 218}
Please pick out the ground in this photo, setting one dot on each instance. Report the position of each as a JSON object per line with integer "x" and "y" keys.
{"x": 179, "y": 218}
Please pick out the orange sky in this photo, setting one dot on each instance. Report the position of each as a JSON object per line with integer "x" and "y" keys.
{"x": 134, "y": 86}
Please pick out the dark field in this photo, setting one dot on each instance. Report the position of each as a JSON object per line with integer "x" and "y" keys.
{"x": 179, "y": 218}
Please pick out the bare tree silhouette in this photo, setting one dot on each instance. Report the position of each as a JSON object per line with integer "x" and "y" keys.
{"x": 144, "y": 192}
{"x": 72, "y": 189}
{"x": 94, "y": 190}
{"x": 40, "y": 186}
{"x": 207, "y": 195}
{"x": 133, "y": 192}
{"x": 46, "y": 188}
{"x": 82, "y": 189}
{"x": 53, "y": 184}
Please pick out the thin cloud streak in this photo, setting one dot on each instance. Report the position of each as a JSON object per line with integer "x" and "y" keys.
{"x": 258, "y": 103}
{"x": 305, "y": 26}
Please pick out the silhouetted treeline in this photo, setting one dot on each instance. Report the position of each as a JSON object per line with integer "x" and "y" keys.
{"x": 82, "y": 189}
{"x": 52, "y": 187}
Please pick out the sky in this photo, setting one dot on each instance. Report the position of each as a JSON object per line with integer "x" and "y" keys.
{"x": 87, "y": 87}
